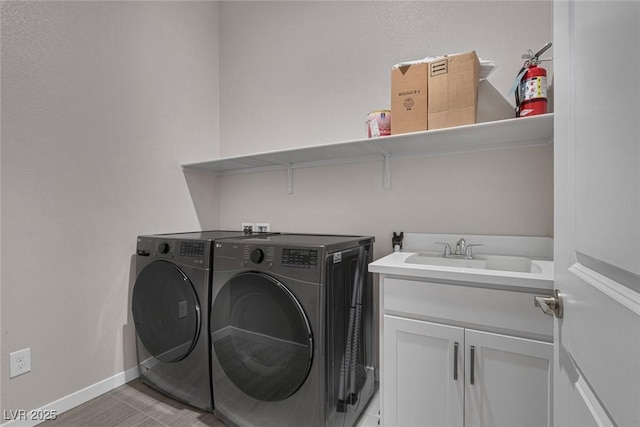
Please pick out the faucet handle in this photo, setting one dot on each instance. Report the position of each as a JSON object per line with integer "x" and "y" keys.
{"x": 468, "y": 253}
{"x": 447, "y": 248}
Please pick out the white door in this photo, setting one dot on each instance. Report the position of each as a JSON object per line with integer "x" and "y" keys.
{"x": 425, "y": 385}
{"x": 597, "y": 221}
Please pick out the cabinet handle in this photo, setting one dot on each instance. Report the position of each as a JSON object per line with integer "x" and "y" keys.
{"x": 473, "y": 356}
{"x": 455, "y": 362}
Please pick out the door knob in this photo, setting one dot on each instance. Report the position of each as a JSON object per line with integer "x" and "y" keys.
{"x": 550, "y": 305}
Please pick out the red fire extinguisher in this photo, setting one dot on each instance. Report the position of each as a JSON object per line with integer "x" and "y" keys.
{"x": 531, "y": 90}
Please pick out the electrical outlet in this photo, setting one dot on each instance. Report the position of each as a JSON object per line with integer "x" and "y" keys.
{"x": 262, "y": 227}
{"x": 248, "y": 227}
{"x": 20, "y": 362}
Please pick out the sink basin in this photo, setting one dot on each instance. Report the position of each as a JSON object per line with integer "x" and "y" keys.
{"x": 485, "y": 262}
{"x": 512, "y": 263}
{"x": 426, "y": 259}
{"x": 524, "y": 262}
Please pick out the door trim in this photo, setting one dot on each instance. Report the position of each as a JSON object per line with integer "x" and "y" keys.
{"x": 611, "y": 288}
{"x": 592, "y": 403}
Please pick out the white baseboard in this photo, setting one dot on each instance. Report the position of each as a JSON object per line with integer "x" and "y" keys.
{"x": 29, "y": 418}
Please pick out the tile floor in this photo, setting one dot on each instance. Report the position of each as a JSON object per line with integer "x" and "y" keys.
{"x": 136, "y": 404}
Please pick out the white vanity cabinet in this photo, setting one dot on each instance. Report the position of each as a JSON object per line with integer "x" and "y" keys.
{"x": 418, "y": 373}
{"x": 457, "y": 354}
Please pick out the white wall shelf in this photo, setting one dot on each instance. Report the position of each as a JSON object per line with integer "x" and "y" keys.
{"x": 535, "y": 130}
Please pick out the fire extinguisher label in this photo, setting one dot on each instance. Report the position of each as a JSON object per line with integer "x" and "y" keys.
{"x": 533, "y": 88}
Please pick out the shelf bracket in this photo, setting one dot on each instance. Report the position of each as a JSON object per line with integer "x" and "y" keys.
{"x": 289, "y": 167}
{"x": 386, "y": 178}
{"x": 289, "y": 179}
{"x": 387, "y": 172}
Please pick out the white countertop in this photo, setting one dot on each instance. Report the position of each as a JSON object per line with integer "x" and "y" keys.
{"x": 395, "y": 264}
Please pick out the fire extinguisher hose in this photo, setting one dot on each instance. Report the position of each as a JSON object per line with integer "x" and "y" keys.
{"x": 516, "y": 86}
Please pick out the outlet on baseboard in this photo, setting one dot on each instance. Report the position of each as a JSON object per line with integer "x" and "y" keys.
{"x": 20, "y": 362}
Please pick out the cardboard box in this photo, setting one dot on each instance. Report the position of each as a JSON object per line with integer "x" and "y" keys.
{"x": 434, "y": 93}
{"x": 409, "y": 98}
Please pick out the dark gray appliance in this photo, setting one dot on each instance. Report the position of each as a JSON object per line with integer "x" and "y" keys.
{"x": 170, "y": 305}
{"x": 292, "y": 332}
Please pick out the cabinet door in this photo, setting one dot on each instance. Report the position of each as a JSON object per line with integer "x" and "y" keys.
{"x": 423, "y": 374}
{"x": 508, "y": 381}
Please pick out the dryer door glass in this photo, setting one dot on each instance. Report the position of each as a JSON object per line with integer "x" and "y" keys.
{"x": 166, "y": 311}
{"x": 261, "y": 336}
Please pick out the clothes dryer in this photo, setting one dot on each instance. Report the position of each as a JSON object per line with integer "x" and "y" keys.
{"x": 292, "y": 330}
{"x": 170, "y": 305}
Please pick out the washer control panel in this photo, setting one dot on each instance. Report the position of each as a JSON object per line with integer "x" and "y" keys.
{"x": 165, "y": 249}
{"x": 192, "y": 249}
{"x": 191, "y": 252}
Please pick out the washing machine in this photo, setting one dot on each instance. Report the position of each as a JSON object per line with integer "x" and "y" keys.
{"x": 291, "y": 329}
{"x": 170, "y": 305}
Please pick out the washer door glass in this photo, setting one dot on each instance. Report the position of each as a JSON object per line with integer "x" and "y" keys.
{"x": 261, "y": 336}
{"x": 166, "y": 311}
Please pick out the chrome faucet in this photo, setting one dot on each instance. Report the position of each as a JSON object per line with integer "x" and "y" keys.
{"x": 461, "y": 246}
{"x": 447, "y": 249}
{"x": 463, "y": 250}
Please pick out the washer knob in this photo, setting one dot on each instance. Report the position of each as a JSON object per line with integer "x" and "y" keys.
{"x": 257, "y": 255}
{"x": 163, "y": 248}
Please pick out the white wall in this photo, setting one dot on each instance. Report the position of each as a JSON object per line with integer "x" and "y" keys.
{"x": 101, "y": 103}
{"x": 306, "y": 73}
{"x": 458, "y": 194}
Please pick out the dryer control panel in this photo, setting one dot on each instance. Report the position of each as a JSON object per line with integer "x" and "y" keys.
{"x": 300, "y": 258}
{"x": 287, "y": 257}
{"x": 299, "y": 262}
{"x": 258, "y": 255}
